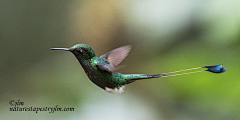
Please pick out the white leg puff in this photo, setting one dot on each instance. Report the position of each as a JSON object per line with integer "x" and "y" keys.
{"x": 115, "y": 90}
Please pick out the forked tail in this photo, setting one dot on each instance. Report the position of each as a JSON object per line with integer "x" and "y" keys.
{"x": 213, "y": 69}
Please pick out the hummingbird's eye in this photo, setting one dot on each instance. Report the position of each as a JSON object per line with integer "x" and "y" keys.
{"x": 78, "y": 51}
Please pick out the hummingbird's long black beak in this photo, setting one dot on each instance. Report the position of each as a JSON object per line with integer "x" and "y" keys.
{"x": 66, "y": 49}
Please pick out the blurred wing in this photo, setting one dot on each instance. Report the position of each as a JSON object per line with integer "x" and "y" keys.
{"x": 109, "y": 68}
{"x": 105, "y": 67}
{"x": 116, "y": 56}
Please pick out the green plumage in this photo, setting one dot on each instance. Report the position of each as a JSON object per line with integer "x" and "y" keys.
{"x": 103, "y": 70}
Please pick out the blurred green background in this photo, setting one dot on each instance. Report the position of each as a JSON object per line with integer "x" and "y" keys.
{"x": 166, "y": 35}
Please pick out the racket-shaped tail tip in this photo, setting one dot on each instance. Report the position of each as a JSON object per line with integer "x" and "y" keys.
{"x": 215, "y": 69}
{"x": 223, "y": 70}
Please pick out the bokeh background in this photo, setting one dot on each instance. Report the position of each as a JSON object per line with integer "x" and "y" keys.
{"x": 166, "y": 35}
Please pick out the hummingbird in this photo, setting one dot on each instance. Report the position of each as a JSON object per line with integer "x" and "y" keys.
{"x": 104, "y": 70}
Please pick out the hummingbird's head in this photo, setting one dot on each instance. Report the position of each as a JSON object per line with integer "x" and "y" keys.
{"x": 82, "y": 51}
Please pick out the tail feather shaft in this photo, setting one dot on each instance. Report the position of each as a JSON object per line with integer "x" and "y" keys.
{"x": 184, "y": 73}
{"x": 182, "y": 70}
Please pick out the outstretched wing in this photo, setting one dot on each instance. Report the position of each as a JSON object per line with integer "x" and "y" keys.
{"x": 116, "y": 56}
